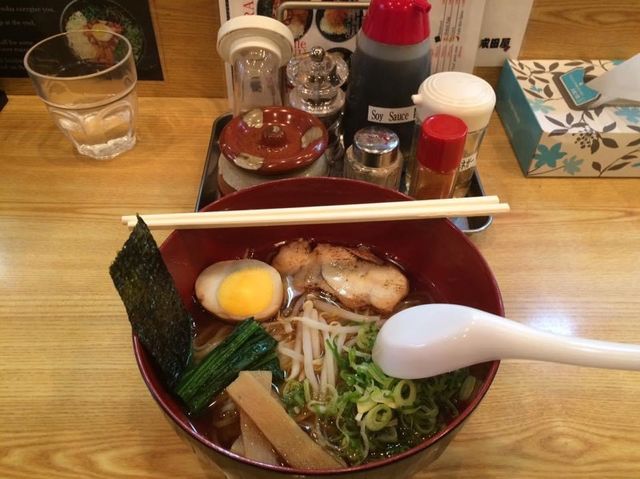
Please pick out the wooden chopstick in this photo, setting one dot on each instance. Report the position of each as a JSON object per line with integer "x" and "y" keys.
{"x": 348, "y": 207}
{"x": 353, "y": 213}
{"x": 314, "y": 209}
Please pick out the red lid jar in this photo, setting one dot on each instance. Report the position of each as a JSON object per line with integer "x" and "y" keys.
{"x": 441, "y": 143}
{"x": 439, "y": 152}
{"x": 270, "y": 143}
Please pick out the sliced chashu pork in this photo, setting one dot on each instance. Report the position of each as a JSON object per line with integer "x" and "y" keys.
{"x": 355, "y": 276}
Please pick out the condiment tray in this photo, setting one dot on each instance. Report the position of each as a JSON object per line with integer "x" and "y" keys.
{"x": 208, "y": 191}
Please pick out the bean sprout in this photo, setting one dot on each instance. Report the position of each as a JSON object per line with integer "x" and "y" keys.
{"x": 337, "y": 311}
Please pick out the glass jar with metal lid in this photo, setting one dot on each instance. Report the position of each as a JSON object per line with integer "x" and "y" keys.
{"x": 375, "y": 157}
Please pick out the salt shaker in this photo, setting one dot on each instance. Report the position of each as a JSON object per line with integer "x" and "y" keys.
{"x": 465, "y": 96}
{"x": 438, "y": 154}
{"x": 375, "y": 157}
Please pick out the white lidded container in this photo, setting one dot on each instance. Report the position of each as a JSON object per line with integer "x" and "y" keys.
{"x": 466, "y": 96}
{"x": 255, "y": 47}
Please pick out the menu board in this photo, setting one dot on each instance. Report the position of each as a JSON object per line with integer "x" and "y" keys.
{"x": 26, "y": 22}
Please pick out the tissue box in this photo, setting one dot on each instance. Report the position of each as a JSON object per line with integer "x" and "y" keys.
{"x": 552, "y": 135}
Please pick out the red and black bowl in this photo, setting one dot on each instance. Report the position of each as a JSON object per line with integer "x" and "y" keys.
{"x": 433, "y": 253}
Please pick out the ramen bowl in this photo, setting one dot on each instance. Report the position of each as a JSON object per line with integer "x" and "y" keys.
{"x": 433, "y": 252}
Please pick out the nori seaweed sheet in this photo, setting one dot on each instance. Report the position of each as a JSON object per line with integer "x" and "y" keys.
{"x": 153, "y": 304}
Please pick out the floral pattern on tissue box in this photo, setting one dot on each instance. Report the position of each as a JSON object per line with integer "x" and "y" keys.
{"x": 598, "y": 142}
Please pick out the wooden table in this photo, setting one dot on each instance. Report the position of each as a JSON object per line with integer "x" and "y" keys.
{"x": 567, "y": 260}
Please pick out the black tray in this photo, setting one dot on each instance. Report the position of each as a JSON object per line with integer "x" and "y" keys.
{"x": 209, "y": 183}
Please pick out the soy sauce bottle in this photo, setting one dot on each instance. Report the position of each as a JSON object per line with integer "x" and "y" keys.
{"x": 390, "y": 62}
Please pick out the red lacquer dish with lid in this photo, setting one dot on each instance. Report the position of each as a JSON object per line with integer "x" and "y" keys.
{"x": 270, "y": 143}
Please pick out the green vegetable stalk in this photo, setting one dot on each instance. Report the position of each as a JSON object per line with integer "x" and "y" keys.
{"x": 248, "y": 347}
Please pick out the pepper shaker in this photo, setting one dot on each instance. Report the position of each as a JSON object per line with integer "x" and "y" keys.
{"x": 316, "y": 78}
{"x": 375, "y": 157}
{"x": 439, "y": 152}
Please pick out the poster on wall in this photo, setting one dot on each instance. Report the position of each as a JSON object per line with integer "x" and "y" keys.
{"x": 25, "y": 22}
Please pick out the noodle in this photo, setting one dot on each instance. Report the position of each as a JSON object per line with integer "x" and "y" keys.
{"x": 201, "y": 350}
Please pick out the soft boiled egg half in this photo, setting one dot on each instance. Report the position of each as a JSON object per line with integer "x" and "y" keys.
{"x": 240, "y": 289}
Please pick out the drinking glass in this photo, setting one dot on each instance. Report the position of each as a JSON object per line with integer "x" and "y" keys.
{"x": 87, "y": 80}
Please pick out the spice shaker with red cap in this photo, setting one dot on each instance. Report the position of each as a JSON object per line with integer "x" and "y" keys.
{"x": 390, "y": 62}
{"x": 467, "y": 97}
{"x": 438, "y": 155}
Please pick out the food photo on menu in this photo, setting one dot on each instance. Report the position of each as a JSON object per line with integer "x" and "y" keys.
{"x": 29, "y": 21}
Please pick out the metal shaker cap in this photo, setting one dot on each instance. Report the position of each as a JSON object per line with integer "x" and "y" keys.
{"x": 376, "y": 146}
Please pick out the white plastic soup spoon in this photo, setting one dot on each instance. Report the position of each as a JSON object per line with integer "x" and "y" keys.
{"x": 431, "y": 339}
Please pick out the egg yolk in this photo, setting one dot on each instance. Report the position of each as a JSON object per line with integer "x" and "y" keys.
{"x": 246, "y": 292}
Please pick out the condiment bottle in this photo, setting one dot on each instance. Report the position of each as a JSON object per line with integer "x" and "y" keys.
{"x": 465, "y": 96}
{"x": 374, "y": 157}
{"x": 390, "y": 61}
{"x": 439, "y": 152}
{"x": 316, "y": 78}
{"x": 256, "y": 47}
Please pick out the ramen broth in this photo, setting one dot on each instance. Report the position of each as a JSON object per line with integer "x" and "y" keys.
{"x": 219, "y": 422}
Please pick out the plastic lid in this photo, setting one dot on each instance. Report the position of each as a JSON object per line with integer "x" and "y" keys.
{"x": 466, "y": 96}
{"x": 441, "y": 143}
{"x": 255, "y": 31}
{"x": 397, "y": 22}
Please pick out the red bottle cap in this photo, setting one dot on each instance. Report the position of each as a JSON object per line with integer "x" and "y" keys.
{"x": 397, "y": 22}
{"x": 441, "y": 143}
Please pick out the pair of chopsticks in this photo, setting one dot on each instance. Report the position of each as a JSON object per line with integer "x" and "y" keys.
{"x": 307, "y": 215}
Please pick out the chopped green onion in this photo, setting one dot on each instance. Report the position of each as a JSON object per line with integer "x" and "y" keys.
{"x": 370, "y": 415}
{"x": 366, "y": 337}
{"x": 374, "y": 371}
{"x": 378, "y": 417}
{"x": 404, "y": 393}
{"x": 383, "y": 396}
{"x": 467, "y": 388}
{"x": 293, "y": 396}
{"x": 307, "y": 390}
